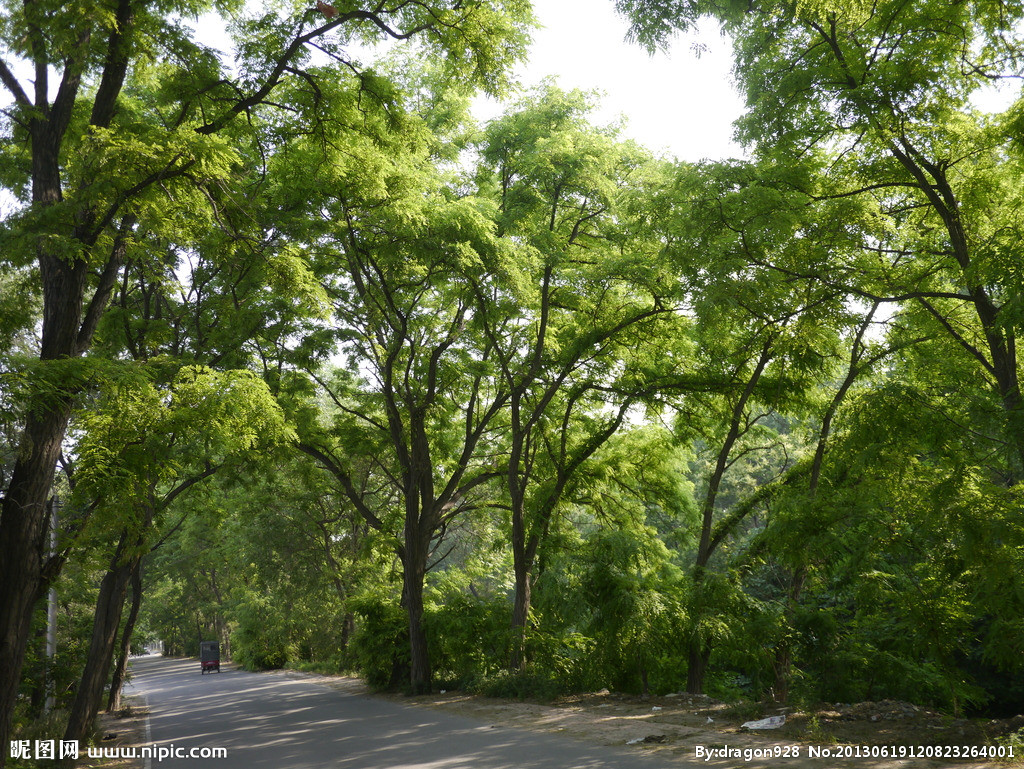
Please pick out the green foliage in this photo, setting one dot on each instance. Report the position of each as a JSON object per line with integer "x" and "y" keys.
{"x": 560, "y": 662}
{"x": 1014, "y": 741}
{"x": 381, "y": 644}
{"x": 532, "y": 684}
{"x": 147, "y": 186}
{"x": 260, "y": 640}
{"x": 43, "y": 728}
{"x": 471, "y": 332}
{"x": 636, "y": 606}
{"x": 59, "y": 676}
{"x": 142, "y": 443}
{"x": 469, "y": 639}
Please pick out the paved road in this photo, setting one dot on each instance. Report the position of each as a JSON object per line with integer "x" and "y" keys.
{"x": 273, "y": 722}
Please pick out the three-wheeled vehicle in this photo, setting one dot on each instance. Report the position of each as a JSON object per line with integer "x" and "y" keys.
{"x": 209, "y": 657}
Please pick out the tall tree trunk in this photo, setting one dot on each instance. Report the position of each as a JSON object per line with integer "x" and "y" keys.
{"x": 1000, "y": 337}
{"x": 521, "y": 564}
{"x": 23, "y": 528}
{"x": 697, "y": 665}
{"x": 109, "y": 606}
{"x": 40, "y": 686}
{"x": 348, "y": 626}
{"x": 125, "y": 648}
{"x": 520, "y": 613}
{"x": 421, "y": 521}
{"x": 419, "y": 655}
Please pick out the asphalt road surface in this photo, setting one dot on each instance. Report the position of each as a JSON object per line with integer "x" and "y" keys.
{"x": 273, "y": 722}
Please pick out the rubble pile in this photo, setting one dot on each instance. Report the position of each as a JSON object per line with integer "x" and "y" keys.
{"x": 693, "y": 700}
{"x": 886, "y": 710}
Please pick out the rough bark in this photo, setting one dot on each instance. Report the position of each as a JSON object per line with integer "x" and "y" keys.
{"x": 419, "y": 653}
{"x": 23, "y": 530}
{"x": 414, "y": 562}
{"x": 697, "y": 665}
{"x": 124, "y": 649}
{"x": 520, "y": 613}
{"x": 107, "y": 620}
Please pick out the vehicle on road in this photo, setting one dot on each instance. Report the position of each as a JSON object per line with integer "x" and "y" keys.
{"x": 209, "y": 657}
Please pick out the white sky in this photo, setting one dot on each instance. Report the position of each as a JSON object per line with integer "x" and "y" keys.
{"x": 678, "y": 103}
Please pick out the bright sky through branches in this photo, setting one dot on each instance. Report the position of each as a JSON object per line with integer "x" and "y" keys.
{"x": 681, "y": 102}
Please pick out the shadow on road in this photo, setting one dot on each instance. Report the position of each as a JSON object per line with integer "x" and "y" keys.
{"x": 269, "y": 721}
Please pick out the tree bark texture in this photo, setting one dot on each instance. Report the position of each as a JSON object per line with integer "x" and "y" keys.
{"x": 23, "y": 533}
{"x": 520, "y": 614}
{"x": 698, "y": 658}
{"x": 107, "y": 621}
{"x": 124, "y": 649}
{"x": 415, "y": 571}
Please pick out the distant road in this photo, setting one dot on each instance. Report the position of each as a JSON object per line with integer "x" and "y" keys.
{"x": 270, "y": 722}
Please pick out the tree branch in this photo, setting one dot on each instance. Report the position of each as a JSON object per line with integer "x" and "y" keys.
{"x": 281, "y": 64}
{"x": 11, "y": 82}
{"x": 328, "y": 463}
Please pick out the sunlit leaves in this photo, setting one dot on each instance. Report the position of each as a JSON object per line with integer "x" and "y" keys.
{"x": 140, "y": 434}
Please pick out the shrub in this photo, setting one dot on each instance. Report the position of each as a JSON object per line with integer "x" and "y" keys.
{"x": 261, "y": 640}
{"x": 381, "y": 641}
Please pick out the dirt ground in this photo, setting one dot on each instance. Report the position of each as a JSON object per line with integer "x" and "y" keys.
{"x": 125, "y": 729}
{"x": 697, "y": 730}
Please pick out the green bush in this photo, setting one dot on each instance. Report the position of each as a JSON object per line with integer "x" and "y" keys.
{"x": 635, "y": 599}
{"x": 380, "y": 644}
{"x": 50, "y": 726}
{"x": 567, "y": 658}
{"x": 468, "y": 639}
{"x": 527, "y": 685}
{"x": 260, "y": 640}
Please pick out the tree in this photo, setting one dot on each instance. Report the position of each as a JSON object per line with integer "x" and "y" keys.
{"x": 865, "y": 111}
{"x": 82, "y": 224}
{"x": 898, "y": 541}
{"x": 864, "y": 355}
{"x": 631, "y": 508}
{"x": 140, "y": 450}
{"x": 877, "y": 100}
{"x": 587, "y": 307}
{"x": 401, "y": 260}
{"x": 761, "y": 343}
{"x": 425, "y": 427}
{"x": 219, "y": 313}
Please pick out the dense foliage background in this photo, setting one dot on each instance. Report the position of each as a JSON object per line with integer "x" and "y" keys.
{"x": 297, "y": 356}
